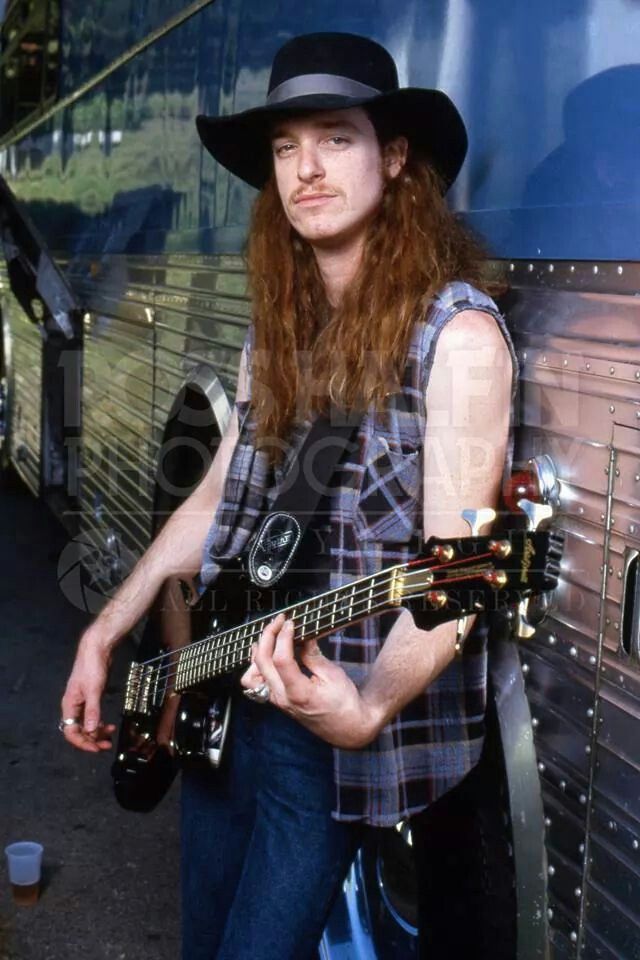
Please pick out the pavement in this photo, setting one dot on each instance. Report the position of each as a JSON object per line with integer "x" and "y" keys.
{"x": 110, "y": 878}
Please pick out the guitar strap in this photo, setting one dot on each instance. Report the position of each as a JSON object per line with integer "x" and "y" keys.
{"x": 308, "y": 479}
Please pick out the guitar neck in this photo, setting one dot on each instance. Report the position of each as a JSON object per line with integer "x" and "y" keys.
{"x": 316, "y": 617}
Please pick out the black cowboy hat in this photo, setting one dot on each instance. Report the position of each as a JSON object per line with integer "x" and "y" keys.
{"x": 334, "y": 71}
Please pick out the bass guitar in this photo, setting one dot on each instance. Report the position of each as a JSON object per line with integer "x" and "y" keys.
{"x": 452, "y": 579}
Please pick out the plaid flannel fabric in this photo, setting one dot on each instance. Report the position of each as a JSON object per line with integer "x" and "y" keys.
{"x": 376, "y": 512}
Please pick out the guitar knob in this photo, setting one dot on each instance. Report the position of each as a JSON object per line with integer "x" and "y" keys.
{"x": 478, "y": 518}
{"x": 536, "y": 513}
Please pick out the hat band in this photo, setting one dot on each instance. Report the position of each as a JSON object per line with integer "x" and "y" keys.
{"x": 320, "y": 83}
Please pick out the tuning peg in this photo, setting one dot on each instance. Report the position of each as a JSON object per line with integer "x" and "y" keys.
{"x": 477, "y": 518}
{"x": 524, "y": 630}
{"x": 536, "y": 513}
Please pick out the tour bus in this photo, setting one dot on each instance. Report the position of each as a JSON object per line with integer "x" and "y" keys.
{"x": 124, "y": 309}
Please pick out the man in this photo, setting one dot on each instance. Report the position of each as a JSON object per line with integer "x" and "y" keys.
{"x": 365, "y": 293}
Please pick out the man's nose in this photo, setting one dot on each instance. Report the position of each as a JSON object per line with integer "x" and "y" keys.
{"x": 310, "y": 165}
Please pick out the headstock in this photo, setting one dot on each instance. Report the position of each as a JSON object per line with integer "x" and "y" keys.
{"x": 461, "y": 576}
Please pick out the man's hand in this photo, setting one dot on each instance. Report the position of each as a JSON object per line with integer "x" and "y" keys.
{"x": 82, "y": 696}
{"x": 327, "y": 702}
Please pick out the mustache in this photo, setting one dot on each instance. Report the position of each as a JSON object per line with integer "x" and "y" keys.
{"x": 301, "y": 192}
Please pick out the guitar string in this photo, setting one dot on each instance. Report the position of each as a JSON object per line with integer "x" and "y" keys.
{"x": 214, "y": 656}
{"x": 221, "y": 649}
{"x": 230, "y": 639}
{"x": 331, "y": 594}
{"x": 243, "y": 645}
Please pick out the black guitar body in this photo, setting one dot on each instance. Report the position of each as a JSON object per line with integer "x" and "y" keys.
{"x": 197, "y": 720}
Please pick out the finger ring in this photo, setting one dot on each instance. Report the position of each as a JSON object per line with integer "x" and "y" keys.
{"x": 260, "y": 693}
{"x": 68, "y": 722}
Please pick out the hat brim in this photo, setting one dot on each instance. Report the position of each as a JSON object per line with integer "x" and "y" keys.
{"x": 428, "y": 119}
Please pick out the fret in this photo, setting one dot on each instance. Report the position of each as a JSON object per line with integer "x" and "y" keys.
{"x": 303, "y": 626}
{"x": 370, "y": 597}
{"x": 333, "y": 610}
{"x": 351, "y": 599}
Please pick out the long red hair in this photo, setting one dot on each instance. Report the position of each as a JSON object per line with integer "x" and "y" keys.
{"x": 307, "y": 353}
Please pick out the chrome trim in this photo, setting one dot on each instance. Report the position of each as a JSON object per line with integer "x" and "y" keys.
{"x": 19, "y": 132}
{"x": 606, "y": 276}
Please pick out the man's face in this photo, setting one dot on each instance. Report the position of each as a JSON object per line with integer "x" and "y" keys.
{"x": 329, "y": 173}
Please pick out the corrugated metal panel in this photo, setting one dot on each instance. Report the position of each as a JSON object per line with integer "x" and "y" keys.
{"x": 580, "y": 354}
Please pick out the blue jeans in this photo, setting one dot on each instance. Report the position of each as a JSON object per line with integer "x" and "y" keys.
{"x": 262, "y": 858}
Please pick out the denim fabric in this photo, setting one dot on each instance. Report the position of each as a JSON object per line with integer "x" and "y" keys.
{"x": 262, "y": 858}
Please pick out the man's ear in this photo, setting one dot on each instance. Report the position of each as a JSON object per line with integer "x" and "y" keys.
{"x": 394, "y": 155}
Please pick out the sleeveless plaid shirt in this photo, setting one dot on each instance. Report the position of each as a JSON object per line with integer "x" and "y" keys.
{"x": 375, "y": 522}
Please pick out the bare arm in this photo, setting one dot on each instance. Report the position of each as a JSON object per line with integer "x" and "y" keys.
{"x": 176, "y": 552}
{"x": 468, "y": 403}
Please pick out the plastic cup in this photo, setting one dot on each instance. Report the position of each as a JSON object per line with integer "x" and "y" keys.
{"x": 24, "y": 860}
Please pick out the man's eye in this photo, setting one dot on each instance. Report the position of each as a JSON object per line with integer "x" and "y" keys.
{"x": 283, "y": 148}
{"x": 338, "y": 140}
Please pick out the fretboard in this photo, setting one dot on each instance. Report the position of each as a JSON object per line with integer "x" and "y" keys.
{"x": 316, "y": 617}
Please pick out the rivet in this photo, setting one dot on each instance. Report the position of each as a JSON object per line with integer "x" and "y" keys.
{"x": 580, "y": 511}
{"x": 525, "y": 668}
{"x": 588, "y": 366}
{"x": 607, "y": 619}
{"x": 632, "y": 528}
{"x": 590, "y": 712}
{"x": 551, "y": 268}
{"x": 552, "y": 870}
{"x": 612, "y": 409}
{"x": 621, "y": 679}
{"x": 620, "y": 271}
{"x": 122, "y": 757}
{"x": 583, "y": 798}
{"x": 617, "y": 471}
{"x": 610, "y": 571}
{"x": 637, "y": 374}
{"x": 512, "y": 267}
{"x": 578, "y": 892}
{"x": 573, "y": 652}
{"x": 552, "y": 640}
{"x": 565, "y": 363}
{"x": 619, "y": 574}
{"x": 637, "y": 478}
{"x": 530, "y": 268}
{"x": 572, "y": 269}
{"x": 595, "y": 268}
{"x": 592, "y": 660}
{"x": 611, "y": 825}
{"x": 541, "y": 768}
{"x": 635, "y": 844}
{"x": 547, "y": 821}
{"x": 573, "y": 936}
{"x": 581, "y": 848}
{"x": 616, "y": 625}
{"x": 550, "y": 913}
{"x": 587, "y": 749}
{"x": 524, "y": 355}
{"x": 563, "y": 784}
{"x": 637, "y": 414}
{"x": 606, "y": 470}
{"x": 534, "y": 722}
{"x": 544, "y": 358}
{"x": 612, "y": 370}
{"x": 602, "y": 514}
